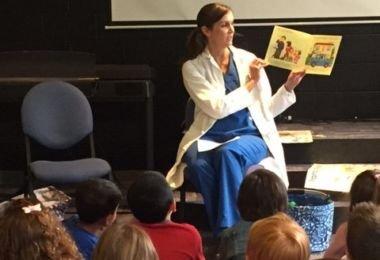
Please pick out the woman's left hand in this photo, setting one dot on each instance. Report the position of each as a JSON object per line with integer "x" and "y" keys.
{"x": 294, "y": 79}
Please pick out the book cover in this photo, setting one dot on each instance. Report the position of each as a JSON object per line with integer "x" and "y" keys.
{"x": 295, "y": 50}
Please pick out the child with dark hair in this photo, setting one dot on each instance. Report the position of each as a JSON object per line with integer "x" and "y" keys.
{"x": 363, "y": 232}
{"x": 96, "y": 201}
{"x": 151, "y": 202}
{"x": 261, "y": 194}
{"x": 365, "y": 188}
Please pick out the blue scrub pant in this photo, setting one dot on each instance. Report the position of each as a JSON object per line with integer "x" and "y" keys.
{"x": 218, "y": 173}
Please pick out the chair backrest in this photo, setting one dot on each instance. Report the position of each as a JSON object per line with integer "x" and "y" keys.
{"x": 189, "y": 115}
{"x": 56, "y": 114}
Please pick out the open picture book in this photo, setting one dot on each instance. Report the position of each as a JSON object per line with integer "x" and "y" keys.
{"x": 296, "y": 50}
{"x": 49, "y": 197}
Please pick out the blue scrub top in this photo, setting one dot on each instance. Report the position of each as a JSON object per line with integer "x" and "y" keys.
{"x": 236, "y": 124}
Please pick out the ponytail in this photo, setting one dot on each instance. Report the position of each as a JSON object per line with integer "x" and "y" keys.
{"x": 196, "y": 43}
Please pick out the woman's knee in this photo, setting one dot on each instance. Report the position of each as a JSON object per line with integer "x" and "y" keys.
{"x": 198, "y": 163}
{"x": 225, "y": 151}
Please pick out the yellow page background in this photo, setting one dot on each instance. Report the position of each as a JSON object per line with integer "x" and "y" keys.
{"x": 322, "y": 54}
{"x": 300, "y": 43}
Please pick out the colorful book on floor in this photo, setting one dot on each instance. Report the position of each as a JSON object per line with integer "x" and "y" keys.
{"x": 50, "y": 197}
{"x": 335, "y": 177}
{"x": 296, "y": 50}
{"x": 295, "y": 136}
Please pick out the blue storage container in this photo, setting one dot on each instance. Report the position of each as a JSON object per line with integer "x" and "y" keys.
{"x": 314, "y": 211}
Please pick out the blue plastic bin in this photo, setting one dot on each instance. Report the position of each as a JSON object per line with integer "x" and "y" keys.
{"x": 314, "y": 211}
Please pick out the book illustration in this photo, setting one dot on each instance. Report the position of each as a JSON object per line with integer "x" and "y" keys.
{"x": 322, "y": 55}
{"x": 284, "y": 50}
{"x": 296, "y": 50}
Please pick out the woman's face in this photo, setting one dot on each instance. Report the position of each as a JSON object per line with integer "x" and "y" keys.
{"x": 222, "y": 32}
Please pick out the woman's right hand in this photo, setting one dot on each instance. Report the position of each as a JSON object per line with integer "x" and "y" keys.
{"x": 254, "y": 72}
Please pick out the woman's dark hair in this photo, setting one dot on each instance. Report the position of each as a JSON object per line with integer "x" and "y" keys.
{"x": 207, "y": 16}
{"x": 262, "y": 194}
{"x": 365, "y": 188}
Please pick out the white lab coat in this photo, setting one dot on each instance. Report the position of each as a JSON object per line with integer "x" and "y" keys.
{"x": 204, "y": 82}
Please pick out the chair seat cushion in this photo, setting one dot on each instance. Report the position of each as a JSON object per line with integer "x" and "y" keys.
{"x": 61, "y": 172}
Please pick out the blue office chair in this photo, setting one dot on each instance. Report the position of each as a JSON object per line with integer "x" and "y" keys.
{"x": 187, "y": 186}
{"x": 57, "y": 116}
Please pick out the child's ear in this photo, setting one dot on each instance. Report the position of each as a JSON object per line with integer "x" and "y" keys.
{"x": 173, "y": 206}
{"x": 110, "y": 218}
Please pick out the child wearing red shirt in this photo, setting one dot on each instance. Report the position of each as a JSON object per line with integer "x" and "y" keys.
{"x": 151, "y": 202}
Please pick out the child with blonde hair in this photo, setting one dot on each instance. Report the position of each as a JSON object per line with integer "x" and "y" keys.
{"x": 124, "y": 241}
{"x": 277, "y": 238}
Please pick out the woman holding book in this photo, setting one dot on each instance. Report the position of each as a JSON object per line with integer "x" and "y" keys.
{"x": 233, "y": 126}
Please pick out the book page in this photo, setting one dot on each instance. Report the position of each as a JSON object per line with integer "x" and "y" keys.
{"x": 207, "y": 145}
{"x": 321, "y": 57}
{"x": 296, "y": 50}
{"x": 335, "y": 177}
{"x": 288, "y": 49}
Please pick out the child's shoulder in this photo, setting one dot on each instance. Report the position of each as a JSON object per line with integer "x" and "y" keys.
{"x": 184, "y": 227}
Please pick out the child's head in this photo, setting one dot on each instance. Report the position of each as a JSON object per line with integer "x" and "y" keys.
{"x": 363, "y": 232}
{"x": 366, "y": 187}
{"x": 97, "y": 200}
{"x": 125, "y": 241}
{"x": 262, "y": 194}
{"x": 28, "y": 231}
{"x": 277, "y": 238}
{"x": 150, "y": 198}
